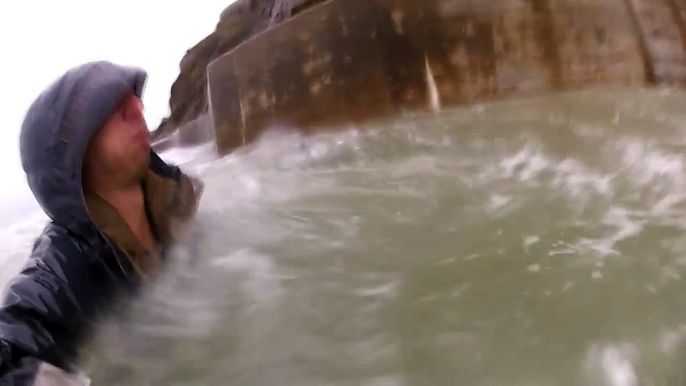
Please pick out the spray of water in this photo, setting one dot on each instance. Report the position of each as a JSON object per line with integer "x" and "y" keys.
{"x": 532, "y": 242}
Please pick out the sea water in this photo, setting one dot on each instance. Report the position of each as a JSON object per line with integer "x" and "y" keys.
{"x": 539, "y": 241}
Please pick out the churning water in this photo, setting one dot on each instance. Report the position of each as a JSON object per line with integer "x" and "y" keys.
{"x": 529, "y": 242}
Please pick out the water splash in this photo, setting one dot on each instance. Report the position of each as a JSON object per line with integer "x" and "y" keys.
{"x": 432, "y": 89}
{"x": 519, "y": 243}
{"x": 612, "y": 365}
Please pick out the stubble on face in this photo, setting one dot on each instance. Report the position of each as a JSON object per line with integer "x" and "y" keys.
{"x": 119, "y": 153}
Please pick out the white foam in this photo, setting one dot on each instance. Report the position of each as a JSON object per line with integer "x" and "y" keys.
{"x": 525, "y": 164}
{"x": 460, "y": 290}
{"x": 621, "y": 223}
{"x": 650, "y": 167}
{"x": 612, "y": 364}
{"x": 580, "y": 180}
{"x": 383, "y": 290}
{"x": 566, "y": 251}
{"x": 497, "y": 201}
{"x": 261, "y": 280}
{"x": 650, "y": 288}
{"x": 447, "y": 261}
{"x": 390, "y": 380}
{"x": 669, "y": 341}
{"x": 568, "y": 285}
{"x": 531, "y": 240}
{"x": 624, "y": 221}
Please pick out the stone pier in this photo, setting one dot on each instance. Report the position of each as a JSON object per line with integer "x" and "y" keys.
{"x": 351, "y": 61}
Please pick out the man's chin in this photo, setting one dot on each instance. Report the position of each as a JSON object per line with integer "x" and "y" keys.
{"x": 143, "y": 166}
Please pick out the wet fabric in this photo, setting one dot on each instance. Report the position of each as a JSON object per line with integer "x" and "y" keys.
{"x": 159, "y": 196}
{"x": 76, "y": 272}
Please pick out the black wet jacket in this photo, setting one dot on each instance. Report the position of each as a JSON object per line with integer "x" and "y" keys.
{"x": 74, "y": 274}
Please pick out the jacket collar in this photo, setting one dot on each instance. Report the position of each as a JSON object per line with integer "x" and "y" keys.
{"x": 168, "y": 203}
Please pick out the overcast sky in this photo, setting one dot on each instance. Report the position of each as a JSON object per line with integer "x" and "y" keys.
{"x": 39, "y": 40}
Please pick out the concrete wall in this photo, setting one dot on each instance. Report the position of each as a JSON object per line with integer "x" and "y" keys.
{"x": 350, "y": 61}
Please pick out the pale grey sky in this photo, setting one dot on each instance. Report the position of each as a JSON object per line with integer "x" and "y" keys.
{"x": 40, "y": 39}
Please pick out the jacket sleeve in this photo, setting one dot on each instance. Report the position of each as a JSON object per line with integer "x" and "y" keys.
{"x": 40, "y": 315}
{"x": 15, "y": 369}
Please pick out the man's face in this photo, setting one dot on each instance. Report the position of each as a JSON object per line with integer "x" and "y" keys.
{"x": 121, "y": 149}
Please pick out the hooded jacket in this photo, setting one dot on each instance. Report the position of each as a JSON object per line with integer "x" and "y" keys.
{"x": 76, "y": 271}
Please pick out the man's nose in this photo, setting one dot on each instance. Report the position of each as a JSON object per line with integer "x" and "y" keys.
{"x": 134, "y": 109}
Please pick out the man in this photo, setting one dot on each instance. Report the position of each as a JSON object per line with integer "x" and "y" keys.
{"x": 113, "y": 204}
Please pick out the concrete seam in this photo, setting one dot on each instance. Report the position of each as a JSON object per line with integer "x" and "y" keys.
{"x": 649, "y": 66}
{"x": 674, "y": 8}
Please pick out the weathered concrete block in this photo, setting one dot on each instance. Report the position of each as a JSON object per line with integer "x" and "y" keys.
{"x": 238, "y": 22}
{"x": 350, "y": 61}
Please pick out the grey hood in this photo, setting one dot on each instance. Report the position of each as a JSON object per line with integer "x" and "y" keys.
{"x": 57, "y": 129}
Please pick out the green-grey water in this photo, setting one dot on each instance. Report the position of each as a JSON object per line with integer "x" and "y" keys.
{"x": 540, "y": 241}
